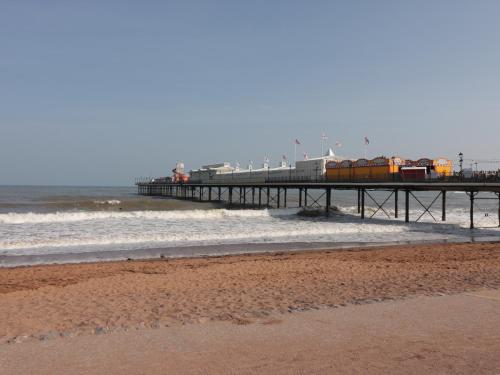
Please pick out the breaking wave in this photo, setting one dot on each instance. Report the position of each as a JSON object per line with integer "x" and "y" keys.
{"x": 66, "y": 217}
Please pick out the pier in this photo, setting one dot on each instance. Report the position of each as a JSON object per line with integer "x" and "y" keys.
{"x": 275, "y": 195}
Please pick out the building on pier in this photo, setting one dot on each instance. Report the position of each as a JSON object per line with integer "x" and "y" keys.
{"x": 312, "y": 169}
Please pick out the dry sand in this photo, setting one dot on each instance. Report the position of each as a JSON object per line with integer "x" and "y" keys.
{"x": 456, "y": 334}
{"x": 44, "y": 302}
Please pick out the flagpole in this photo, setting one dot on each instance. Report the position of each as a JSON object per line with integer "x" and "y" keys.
{"x": 295, "y": 151}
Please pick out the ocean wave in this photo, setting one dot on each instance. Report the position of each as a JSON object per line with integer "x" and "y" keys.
{"x": 295, "y": 233}
{"x": 112, "y": 202}
{"x": 64, "y": 217}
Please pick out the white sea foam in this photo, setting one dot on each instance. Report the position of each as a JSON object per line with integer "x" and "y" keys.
{"x": 290, "y": 233}
{"x": 112, "y": 202}
{"x": 63, "y": 217}
{"x": 83, "y": 231}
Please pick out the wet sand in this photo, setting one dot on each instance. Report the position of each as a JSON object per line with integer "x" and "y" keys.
{"x": 44, "y": 302}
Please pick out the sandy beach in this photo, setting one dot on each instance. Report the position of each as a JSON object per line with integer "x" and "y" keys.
{"x": 66, "y": 302}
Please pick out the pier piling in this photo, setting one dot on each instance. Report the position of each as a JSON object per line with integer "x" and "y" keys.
{"x": 407, "y": 206}
{"x": 396, "y": 214}
{"x": 443, "y": 205}
{"x": 362, "y": 203}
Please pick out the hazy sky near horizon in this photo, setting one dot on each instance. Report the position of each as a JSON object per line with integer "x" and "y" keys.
{"x": 100, "y": 92}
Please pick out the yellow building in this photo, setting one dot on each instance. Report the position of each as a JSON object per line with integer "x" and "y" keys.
{"x": 441, "y": 166}
{"x": 383, "y": 169}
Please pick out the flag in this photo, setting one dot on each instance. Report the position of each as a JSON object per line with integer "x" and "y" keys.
{"x": 305, "y": 156}
{"x": 324, "y": 137}
{"x": 338, "y": 144}
{"x": 367, "y": 141}
{"x": 266, "y": 159}
{"x": 297, "y": 142}
{"x": 284, "y": 157}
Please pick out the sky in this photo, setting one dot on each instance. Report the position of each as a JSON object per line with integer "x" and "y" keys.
{"x": 101, "y": 92}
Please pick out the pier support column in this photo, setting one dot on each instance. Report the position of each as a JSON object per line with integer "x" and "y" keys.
{"x": 305, "y": 197}
{"x": 407, "y": 206}
{"x": 244, "y": 196}
{"x": 201, "y": 193}
{"x": 241, "y": 194}
{"x": 300, "y": 197}
{"x": 396, "y": 207}
{"x": 443, "y": 205}
{"x": 498, "y": 209}
{"x": 230, "y": 196}
{"x": 362, "y": 203}
{"x": 260, "y": 197}
{"x": 279, "y": 191}
{"x": 268, "y": 197}
{"x": 359, "y": 201}
{"x": 219, "y": 193}
{"x": 471, "y": 195}
{"x": 253, "y": 196}
{"x": 328, "y": 199}
{"x": 284, "y": 196}
{"x": 209, "y": 193}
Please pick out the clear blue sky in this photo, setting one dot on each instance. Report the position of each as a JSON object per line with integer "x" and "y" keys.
{"x": 99, "y": 92}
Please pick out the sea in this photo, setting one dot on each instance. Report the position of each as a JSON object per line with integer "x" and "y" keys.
{"x": 56, "y": 224}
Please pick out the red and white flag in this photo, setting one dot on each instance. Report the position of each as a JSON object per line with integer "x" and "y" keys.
{"x": 367, "y": 141}
{"x": 297, "y": 142}
{"x": 284, "y": 157}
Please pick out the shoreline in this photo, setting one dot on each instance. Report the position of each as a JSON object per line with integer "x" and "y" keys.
{"x": 207, "y": 251}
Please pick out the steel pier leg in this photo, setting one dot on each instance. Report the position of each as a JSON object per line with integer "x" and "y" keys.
{"x": 268, "y": 198}
{"x": 471, "y": 194}
{"x": 359, "y": 201}
{"x": 253, "y": 196}
{"x": 260, "y": 197}
{"x": 219, "y": 193}
{"x": 396, "y": 213}
{"x": 328, "y": 199}
{"x": 284, "y": 197}
{"x": 230, "y": 196}
{"x": 279, "y": 191}
{"x": 499, "y": 209}
{"x": 300, "y": 197}
{"x": 209, "y": 193}
{"x": 407, "y": 206}
{"x": 305, "y": 197}
{"x": 244, "y": 196}
{"x": 362, "y": 203}
{"x": 443, "y": 205}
